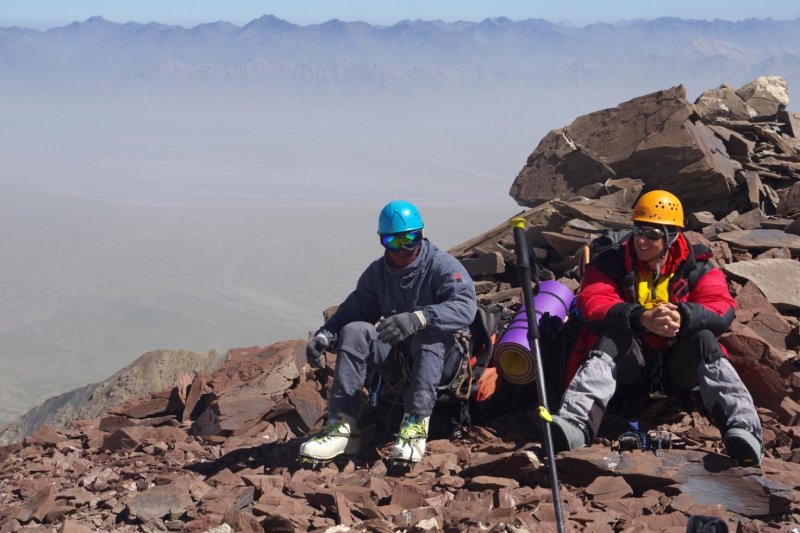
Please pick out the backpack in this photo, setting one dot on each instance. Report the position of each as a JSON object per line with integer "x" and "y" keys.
{"x": 477, "y": 381}
{"x": 609, "y": 240}
{"x": 492, "y": 395}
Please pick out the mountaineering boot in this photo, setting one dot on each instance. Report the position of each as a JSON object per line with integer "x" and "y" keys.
{"x": 743, "y": 446}
{"x": 566, "y": 435}
{"x": 410, "y": 445}
{"x": 339, "y": 436}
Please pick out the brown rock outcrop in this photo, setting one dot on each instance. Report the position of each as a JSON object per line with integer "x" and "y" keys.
{"x": 653, "y": 138}
{"x": 738, "y": 147}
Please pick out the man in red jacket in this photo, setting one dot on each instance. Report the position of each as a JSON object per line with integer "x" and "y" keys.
{"x": 652, "y": 309}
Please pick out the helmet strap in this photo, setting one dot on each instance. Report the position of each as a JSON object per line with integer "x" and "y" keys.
{"x": 669, "y": 237}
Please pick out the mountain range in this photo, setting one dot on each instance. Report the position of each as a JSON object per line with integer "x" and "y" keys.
{"x": 531, "y": 52}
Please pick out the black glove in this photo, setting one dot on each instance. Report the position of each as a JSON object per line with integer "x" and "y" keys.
{"x": 397, "y": 328}
{"x": 322, "y": 340}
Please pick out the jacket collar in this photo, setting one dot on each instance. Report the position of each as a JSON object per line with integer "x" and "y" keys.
{"x": 426, "y": 248}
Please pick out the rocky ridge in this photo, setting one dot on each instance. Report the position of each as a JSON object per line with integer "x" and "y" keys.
{"x": 217, "y": 452}
{"x": 150, "y": 372}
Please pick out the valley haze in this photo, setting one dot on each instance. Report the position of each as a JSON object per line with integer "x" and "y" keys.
{"x": 218, "y": 185}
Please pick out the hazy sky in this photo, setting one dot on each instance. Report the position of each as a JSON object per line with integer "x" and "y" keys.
{"x": 43, "y": 14}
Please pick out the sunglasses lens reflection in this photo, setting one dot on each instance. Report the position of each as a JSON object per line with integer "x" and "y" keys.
{"x": 401, "y": 240}
{"x": 649, "y": 233}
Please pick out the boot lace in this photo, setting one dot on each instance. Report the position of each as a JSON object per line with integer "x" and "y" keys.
{"x": 331, "y": 430}
{"x": 413, "y": 428}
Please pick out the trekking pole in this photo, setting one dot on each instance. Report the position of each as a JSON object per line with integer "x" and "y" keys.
{"x": 524, "y": 272}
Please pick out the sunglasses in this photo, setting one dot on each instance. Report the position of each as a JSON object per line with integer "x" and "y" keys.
{"x": 407, "y": 240}
{"x": 649, "y": 232}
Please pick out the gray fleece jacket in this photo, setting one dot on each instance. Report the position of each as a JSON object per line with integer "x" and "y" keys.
{"x": 435, "y": 283}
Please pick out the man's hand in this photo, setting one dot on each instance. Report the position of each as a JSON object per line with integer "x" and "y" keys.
{"x": 664, "y": 320}
{"x": 317, "y": 346}
{"x": 397, "y": 328}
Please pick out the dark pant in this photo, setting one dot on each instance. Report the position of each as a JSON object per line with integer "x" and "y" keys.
{"x": 617, "y": 362}
{"x": 433, "y": 356}
{"x": 672, "y": 370}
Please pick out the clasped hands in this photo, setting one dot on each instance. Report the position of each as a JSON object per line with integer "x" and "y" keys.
{"x": 664, "y": 320}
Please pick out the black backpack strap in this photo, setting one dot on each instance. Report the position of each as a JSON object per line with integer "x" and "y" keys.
{"x": 486, "y": 324}
{"x": 695, "y": 266}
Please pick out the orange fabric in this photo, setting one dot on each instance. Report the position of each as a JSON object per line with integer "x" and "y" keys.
{"x": 487, "y": 384}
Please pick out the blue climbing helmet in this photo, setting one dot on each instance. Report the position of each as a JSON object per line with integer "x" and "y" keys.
{"x": 399, "y": 216}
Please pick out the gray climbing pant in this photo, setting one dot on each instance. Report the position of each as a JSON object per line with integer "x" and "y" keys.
{"x": 617, "y": 360}
{"x": 434, "y": 358}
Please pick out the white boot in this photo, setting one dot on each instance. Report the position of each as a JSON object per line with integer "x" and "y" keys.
{"x": 410, "y": 445}
{"x": 339, "y": 436}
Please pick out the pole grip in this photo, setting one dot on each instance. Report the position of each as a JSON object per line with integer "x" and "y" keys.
{"x": 524, "y": 273}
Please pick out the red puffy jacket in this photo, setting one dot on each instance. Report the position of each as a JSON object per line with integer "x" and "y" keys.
{"x": 607, "y": 296}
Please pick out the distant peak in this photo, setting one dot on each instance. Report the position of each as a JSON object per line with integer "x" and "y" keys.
{"x": 269, "y": 21}
{"x": 494, "y": 20}
{"x": 270, "y": 18}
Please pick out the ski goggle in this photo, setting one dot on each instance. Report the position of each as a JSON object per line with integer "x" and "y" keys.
{"x": 648, "y": 232}
{"x": 407, "y": 240}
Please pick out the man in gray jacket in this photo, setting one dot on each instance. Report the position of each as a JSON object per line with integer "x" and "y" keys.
{"x": 402, "y": 318}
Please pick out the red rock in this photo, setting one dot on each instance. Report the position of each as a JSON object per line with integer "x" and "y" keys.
{"x": 378, "y": 525}
{"x": 127, "y": 439}
{"x": 38, "y": 505}
{"x": 73, "y": 526}
{"x": 682, "y": 503}
{"x": 225, "y": 478}
{"x": 243, "y": 522}
{"x": 516, "y": 497}
{"x": 78, "y": 496}
{"x": 751, "y": 298}
{"x": 439, "y": 500}
{"x": 325, "y": 498}
{"x": 204, "y": 524}
{"x": 379, "y": 487}
{"x": 661, "y": 522}
{"x": 442, "y": 462}
{"x": 310, "y": 405}
{"x": 263, "y": 483}
{"x": 45, "y": 437}
{"x": 500, "y": 515}
{"x": 159, "y": 501}
{"x": 197, "y": 388}
{"x": 304, "y": 482}
{"x": 28, "y": 487}
{"x": 454, "y": 482}
{"x": 631, "y": 140}
{"x": 290, "y": 515}
{"x": 408, "y": 496}
{"x": 58, "y": 511}
{"x": 480, "y": 483}
{"x": 409, "y": 518}
{"x": 773, "y": 328}
{"x": 162, "y": 403}
{"x": 224, "y": 500}
{"x": 609, "y": 488}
